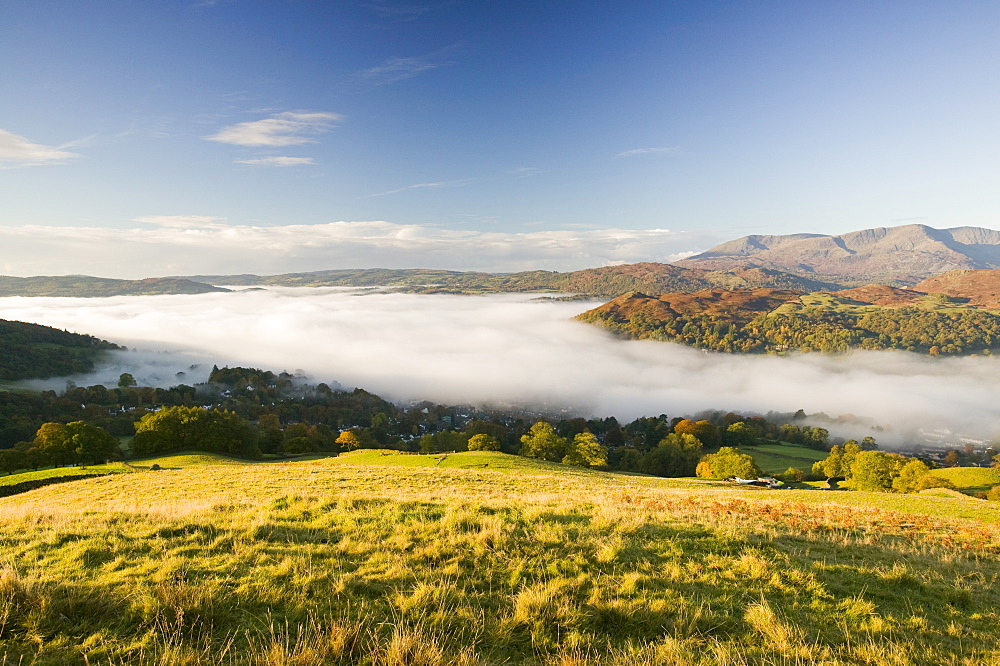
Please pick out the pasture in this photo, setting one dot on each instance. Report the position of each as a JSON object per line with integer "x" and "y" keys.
{"x": 482, "y": 558}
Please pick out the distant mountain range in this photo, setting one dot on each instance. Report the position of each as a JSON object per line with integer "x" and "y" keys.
{"x": 86, "y": 286}
{"x": 604, "y": 282}
{"x": 900, "y": 255}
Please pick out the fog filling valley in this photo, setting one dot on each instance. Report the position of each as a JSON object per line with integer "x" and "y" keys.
{"x": 509, "y": 349}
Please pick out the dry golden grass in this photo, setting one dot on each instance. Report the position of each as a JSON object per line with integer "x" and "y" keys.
{"x": 343, "y": 561}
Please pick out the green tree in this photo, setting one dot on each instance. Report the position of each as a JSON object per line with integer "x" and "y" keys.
{"x": 126, "y": 380}
{"x": 52, "y": 443}
{"x": 627, "y": 458}
{"x": 728, "y": 463}
{"x": 90, "y": 443}
{"x": 446, "y": 440}
{"x": 851, "y": 451}
{"x": 543, "y": 442}
{"x": 11, "y": 460}
{"x": 875, "y": 470}
{"x": 928, "y": 481}
{"x": 833, "y": 466}
{"x": 909, "y": 476}
{"x": 181, "y": 427}
{"x": 675, "y": 455}
{"x": 271, "y": 437}
{"x": 586, "y": 451}
{"x": 483, "y": 442}
{"x": 298, "y": 445}
{"x": 739, "y": 434}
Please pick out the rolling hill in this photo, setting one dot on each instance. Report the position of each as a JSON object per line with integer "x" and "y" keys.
{"x": 976, "y": 288}
{"x": 604, "y": 282}
{"x": 778, "y": 321}
{"x": 32, "y": 351}
{"x": 84, "y": 286}
{"x": 904, "y": 255}
{"x": 380, "y": 558}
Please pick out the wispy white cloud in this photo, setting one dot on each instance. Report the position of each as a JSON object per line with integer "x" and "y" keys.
{"x": 278, "y": 161}
{"x": 18, "y": 151}
{"x": 647, "y": 151}
{"x": 397, "y": 69}
{"x": 427, "y": 186}
{"x": 402, "y": 12}
{"x": 290, "y": 128}
{"x": 525, "y": 172}
{"x": 192, "y": 244}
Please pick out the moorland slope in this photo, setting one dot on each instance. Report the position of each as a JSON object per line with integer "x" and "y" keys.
{"x": 948, "y": 314}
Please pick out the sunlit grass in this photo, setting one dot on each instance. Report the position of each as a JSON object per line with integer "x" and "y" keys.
{"x": 776, "y": 457}
{"x": 970, "y": 479}
{"x": 363, "y": 559}
{"x": 53, "y": 472}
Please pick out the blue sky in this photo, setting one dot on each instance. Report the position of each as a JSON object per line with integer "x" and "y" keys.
{"x": 150, "y": 138}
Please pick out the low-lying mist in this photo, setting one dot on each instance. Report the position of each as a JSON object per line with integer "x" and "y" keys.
{"x": 509, "y": 349}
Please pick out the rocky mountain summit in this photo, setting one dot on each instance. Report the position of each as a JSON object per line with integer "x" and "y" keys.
{"x": 901, "y": 255}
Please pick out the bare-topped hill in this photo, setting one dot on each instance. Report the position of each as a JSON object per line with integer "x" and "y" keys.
{"x": 901, "y": 255}
{"x": 981, "y": 288}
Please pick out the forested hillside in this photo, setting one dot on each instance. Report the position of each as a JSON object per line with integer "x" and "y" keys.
{"x": 775, "y": 321}
{"x": 31, "y": 351}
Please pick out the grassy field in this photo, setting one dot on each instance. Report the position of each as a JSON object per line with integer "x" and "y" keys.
{"x": 776, "y": 457}
{"x": 53, "y": 472}
{"x": 482, "y": 558}
{"x": 970, "y": 479}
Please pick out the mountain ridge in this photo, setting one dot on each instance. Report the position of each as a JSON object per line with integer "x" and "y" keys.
{"x": 903, "y": 255}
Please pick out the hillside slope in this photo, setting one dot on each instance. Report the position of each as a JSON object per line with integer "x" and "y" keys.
{"x": 603, "y": 282}
{"x": 331, "y": 562}
{"x": 778, "y": 321}
{"x": 32, "y": 351}
{"x": 977, "y": 288}
{"x": 84, "y": 286}
{"x": 904, "y": 254}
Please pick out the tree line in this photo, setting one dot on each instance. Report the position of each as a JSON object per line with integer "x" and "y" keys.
{"x": 251, "y": 412}
{"x": 877, "y": 471}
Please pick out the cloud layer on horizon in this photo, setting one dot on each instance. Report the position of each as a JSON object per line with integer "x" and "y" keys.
{"x": 456, "y": 349}
{"x": 200, "y": 245}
